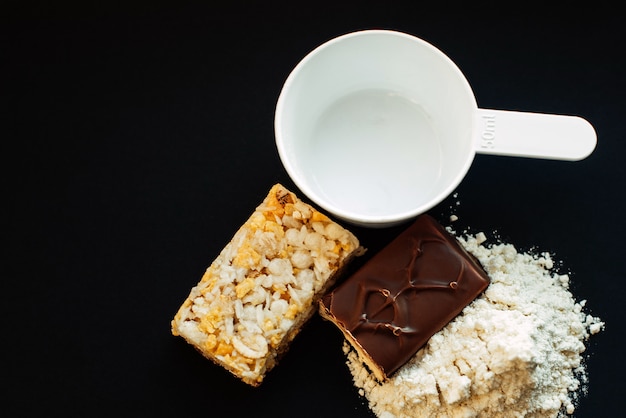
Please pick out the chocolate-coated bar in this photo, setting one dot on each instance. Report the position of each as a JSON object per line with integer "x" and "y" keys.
{"x": 403, "y": 295}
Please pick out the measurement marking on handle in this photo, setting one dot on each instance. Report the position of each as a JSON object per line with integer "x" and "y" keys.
{"x": 488, "y": 135}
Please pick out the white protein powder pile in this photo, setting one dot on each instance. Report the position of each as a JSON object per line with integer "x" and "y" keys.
{"x": 515, "y": 351}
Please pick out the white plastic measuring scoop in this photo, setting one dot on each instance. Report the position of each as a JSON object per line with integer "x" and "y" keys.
{"x": 379, "y": 126}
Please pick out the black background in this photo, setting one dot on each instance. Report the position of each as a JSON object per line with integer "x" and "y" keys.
{"x": 136, "y": 140}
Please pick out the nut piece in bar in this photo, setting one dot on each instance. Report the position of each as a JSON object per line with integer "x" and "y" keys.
{"x": 412, "y": 288}
{"x": 264, "y": 285}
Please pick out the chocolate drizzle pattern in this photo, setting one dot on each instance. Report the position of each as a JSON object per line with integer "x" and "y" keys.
{"x": 406, "y": 293}
{"x": 413, "y": 282}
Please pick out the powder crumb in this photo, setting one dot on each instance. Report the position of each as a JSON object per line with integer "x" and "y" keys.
{"x": 595, "y": 327}
{"x": 516, "y": 351}
{"x": 480, "y": 238}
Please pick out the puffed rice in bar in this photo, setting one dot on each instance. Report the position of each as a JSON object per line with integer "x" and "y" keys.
{"x": 264, "y": 285}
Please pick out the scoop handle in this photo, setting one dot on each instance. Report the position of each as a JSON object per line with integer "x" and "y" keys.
{"x": 534, "y": 135}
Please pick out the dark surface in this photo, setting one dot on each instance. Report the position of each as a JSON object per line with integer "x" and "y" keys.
{"x": 136, "y": 140}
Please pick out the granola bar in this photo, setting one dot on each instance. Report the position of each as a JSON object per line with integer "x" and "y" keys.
{"x": 264, "y": 285}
